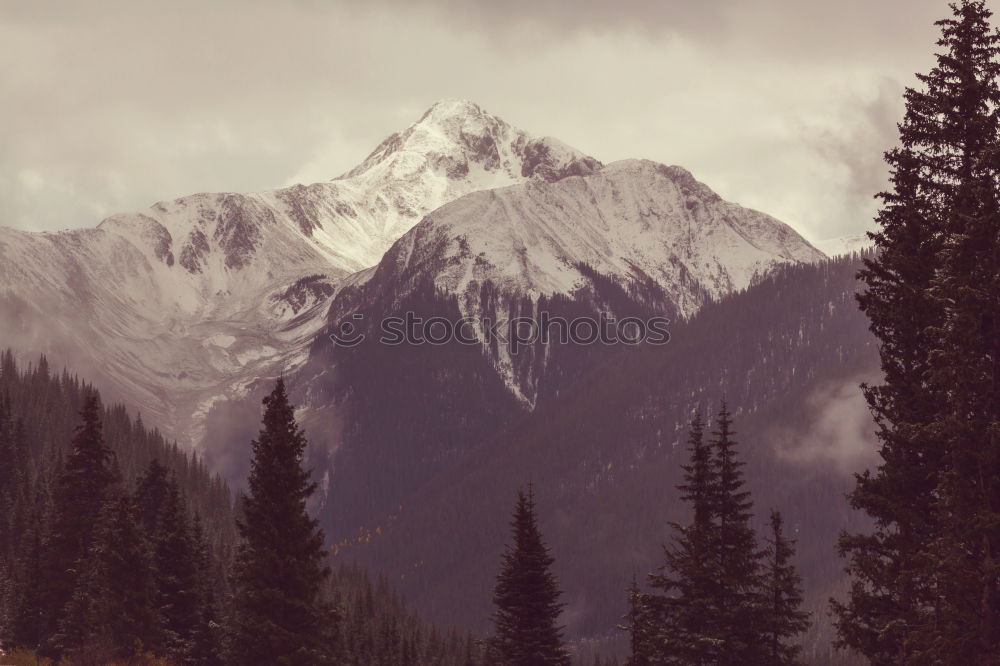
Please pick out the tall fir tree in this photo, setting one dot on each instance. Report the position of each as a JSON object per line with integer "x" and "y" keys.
{"x": 526, "y": 596}
{"x": 687, "y": 623}
{"x": 30, "y": 616}
{"x": 782, "y": 599}
{"x": 9, "y": 491}
{"x": 888, "y": 592}
{"x": 965, "y": 366}
{"x": 739, "y": 556}
{"x": 79, "y": 496}
{"x": 10, "y": 484}
{"x": 28, "y": 619}
{"x": 279, "y": 614}
{"x": 924, "y": 586}
{"x": 713, "y": 604}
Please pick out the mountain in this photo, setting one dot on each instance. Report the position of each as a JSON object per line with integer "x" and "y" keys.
{"x": 633, "y": 239}
{"x": 652, "y": 229}
{"x": 185, "y": 304}
{"x": 186, "y": 309}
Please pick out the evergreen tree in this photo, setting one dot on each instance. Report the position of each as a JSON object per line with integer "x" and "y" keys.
{"x": 30, "y": 618}
{"x": 471, "y": 652}
{"x": 280, "y": 616}
{"x": 964, "y": 556}
{"x": 27, "y": 620}
{"x": 9, "y": 483}
{"x": 180, "y": 584}
{"x": 924, "y": 586}
{"x": 782, "y": 599}
{"x": 687, "y": 624}
{"x": 80, "y": 493}
{"x": 9, "y": 491}
{"x": 526, "y": 596}
{"x": 112, "y": 608}
{"x": 711, "y": 607}
{"x": 53, "y": 479}
{"x": 739, "y": 557}
{"x": 888, "y": 592}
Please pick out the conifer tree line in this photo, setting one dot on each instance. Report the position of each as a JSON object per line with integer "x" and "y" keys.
{"x": 104, "y": 567}
{"x": 721, "y": 597}
{"x": 925, "y": 581}
{"x": 95, "y": 566}
{"x": 103, "y": 570}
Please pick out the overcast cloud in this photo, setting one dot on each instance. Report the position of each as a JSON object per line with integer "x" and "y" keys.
{"x": 781, "y": 105}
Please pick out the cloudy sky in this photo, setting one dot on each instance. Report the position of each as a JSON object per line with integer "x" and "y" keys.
{"x": 781, "y": 105}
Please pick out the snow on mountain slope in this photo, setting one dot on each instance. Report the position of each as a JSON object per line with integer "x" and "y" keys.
{"x": 188, "y": 302}
{"x": 834, "y": 247}
{"x": 633, "y": 219}
{"x": 636, "y": 221}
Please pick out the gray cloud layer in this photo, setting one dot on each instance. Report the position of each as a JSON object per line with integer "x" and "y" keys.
{"x": 783, "y": 105}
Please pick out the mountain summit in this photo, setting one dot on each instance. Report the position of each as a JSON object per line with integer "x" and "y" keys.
{"x": 456, "y": 137}
{"x": 454, "y": 148}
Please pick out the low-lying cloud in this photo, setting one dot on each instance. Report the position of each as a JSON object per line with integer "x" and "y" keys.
{"x": 840, "y": 430}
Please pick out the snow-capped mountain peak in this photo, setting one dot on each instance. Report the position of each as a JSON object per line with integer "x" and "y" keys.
{"x": 456, "y": 138}
{"x": 184, "y": 303}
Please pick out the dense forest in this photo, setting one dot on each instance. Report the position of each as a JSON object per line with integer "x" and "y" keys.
{"x": 118, "y": 547}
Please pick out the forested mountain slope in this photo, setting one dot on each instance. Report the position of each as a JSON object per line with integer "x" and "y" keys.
{"x": 787, "y": 353}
